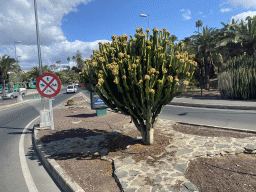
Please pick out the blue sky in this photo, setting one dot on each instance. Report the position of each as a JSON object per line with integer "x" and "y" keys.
{"x": 67, "y": 26}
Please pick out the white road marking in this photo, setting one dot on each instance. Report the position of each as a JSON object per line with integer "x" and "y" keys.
{"x": 24, "y": 166}
{"x": 25, "y": 170}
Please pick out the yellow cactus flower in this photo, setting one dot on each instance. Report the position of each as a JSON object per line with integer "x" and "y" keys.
{"x": 182, "y": 60}
{"x": 187, "y": 73}
{"x": 115, "y": 71}
{"x": 152, "y": 91}
{"x": 160, "y": 48}
{"x": 177, "y": 56}
{"x": 147, "y": 30}
{"x": 160, "y": 81}
{"x": 125, "y": 36}
{"x": 101, "y": 59}
{"x": 185, "y": 82}
{"x": 165, "y": 70}
{"x": 124, "y": 77}
{"x": 140, "y": 81}
{"x": 97, "y": 51}
{"x": 149, "y": 47}
{"x": 134, "y": 65}
{"x": 147, "y": 77}
{"x": 152, "y": 70}
{"x": 170, "y": 78}
{"x": 177, "y": 52}
{"x": 157, "y": 72}
{"x": 113, "y": 37}
{"x": 94, "y": 63}
{"x": 176, "y": 78}
{"x": 121, "y": 55}
{"x": 100, "y": 81}
{"x": 164, "y": 29}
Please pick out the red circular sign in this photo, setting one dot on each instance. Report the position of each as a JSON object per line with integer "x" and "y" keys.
{"x": 48, "y": 85}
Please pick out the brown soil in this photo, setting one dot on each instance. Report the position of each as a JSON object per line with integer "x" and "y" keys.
{"x": 227, "y": 173}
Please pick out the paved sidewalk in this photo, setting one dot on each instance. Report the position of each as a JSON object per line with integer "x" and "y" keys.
{"x": 214, "y": 103}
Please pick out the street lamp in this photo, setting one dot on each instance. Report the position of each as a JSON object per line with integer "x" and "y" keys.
{"x": 19, "y": 97}
{"x": 143, "y": 15}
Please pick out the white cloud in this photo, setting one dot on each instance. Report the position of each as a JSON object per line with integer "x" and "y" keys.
{"x": 17, "y": 20}
{"x": 17, "y": 23}
{"x": 51, "y": 53}
{"x": 186, "y": 14}
{"x": 225, "y": 10}
{"x": 243, "y": 16}
{"x": 245, "y": 4}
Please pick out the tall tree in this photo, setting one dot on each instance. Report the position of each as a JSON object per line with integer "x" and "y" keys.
{"x": 74, "y": 58}
{"x": 68, "y": 59}
{"x": 58, "y": 62}
{"x": 206, "y": 43}
{"x": 6, "y": 63}
{"x": 199, "y": 23}
{"x": 79, "y": 60}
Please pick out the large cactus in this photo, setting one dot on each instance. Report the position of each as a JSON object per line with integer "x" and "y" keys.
{"x": 238, "y": 80}
{"x": 137, "y": 77}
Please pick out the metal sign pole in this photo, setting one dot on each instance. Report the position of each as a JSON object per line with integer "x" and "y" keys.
{"x": 51, "y": 113}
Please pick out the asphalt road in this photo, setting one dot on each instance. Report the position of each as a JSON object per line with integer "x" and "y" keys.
{"x": 13, "y": 170}
{"x": 14, "y": 119}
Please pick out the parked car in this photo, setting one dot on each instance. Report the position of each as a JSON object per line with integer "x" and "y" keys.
{"x": 71, "y": 89}
{"x": 13, "y": 93}
{"x": 81, "y": 85}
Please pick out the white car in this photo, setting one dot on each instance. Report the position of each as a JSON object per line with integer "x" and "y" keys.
{"x": 71, "y": 89}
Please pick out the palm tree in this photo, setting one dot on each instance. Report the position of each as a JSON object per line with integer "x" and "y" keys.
{"x": 206, "y": 42}
{"x": 6, "y": 63}
{"x": 74, "y": 57}
{"x": 58, "y": 62}
{"x": 199, "y": 23}
{"x": 68, "y": 59}
{"x": 240, "y": 38}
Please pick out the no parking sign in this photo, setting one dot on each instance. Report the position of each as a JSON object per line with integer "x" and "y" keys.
{"x": 48, "y": 85}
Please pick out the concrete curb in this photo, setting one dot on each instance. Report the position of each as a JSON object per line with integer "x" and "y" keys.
{"x": 66, "y": 182}
{"x": 217, "y": 127}
{"x": 212, "y": 106}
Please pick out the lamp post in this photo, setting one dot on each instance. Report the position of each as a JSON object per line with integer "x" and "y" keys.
{"x": 143, "y": 15}
{"x": 19, "y": 97}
